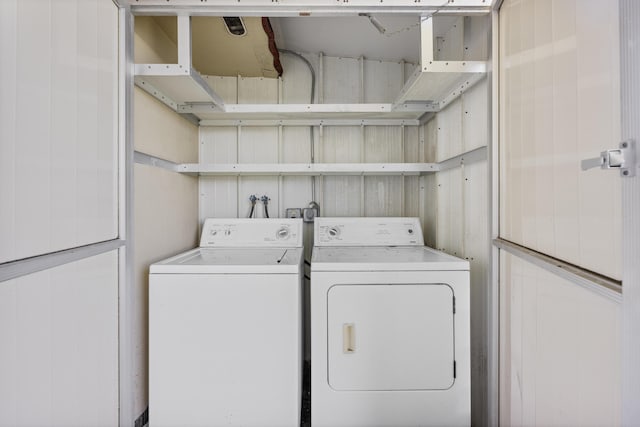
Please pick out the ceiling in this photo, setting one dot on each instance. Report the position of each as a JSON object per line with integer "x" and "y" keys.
{"x": 217, "y": 52}
{"x": 351, "y": 36}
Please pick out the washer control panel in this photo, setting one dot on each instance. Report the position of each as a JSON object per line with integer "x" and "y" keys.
{"x": 249, "y": 232}
{"x": 368, "y": 232}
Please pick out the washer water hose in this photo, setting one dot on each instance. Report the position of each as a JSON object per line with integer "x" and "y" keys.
{"x": 265, "y": 202}
{"x": 253, "y": 199}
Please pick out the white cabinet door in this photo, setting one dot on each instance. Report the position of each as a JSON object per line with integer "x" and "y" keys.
{"x": 390, "y": 337}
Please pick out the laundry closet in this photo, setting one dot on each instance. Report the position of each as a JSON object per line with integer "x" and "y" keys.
{"x": 128, "y": 123}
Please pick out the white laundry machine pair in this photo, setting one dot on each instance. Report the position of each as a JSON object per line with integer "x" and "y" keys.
{"x": 389, "y": 327}
{"x": 225, "y": 344}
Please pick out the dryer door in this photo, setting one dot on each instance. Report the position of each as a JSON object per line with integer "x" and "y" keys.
{"x": 390, "y": 337}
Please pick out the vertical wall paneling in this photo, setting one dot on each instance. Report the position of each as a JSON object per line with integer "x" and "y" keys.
{"x": 560, "y": 104}
{"x": 341, "y": 80}
{"x": 450, "y": 131}
{"x": 165, "y": 211}
{"x": 362, "y": 178}
{"x": 600, "y": 55}
{"x": 342, "y": 195}
{"x": 126, "y": 271}
{"x": 363, "y": 193}
{"x": 403, "y": 135}
{"x": 32, "y": 143}
{"x": 296, "y": 79}
{"x": 225, "y": 87}
{"x": 450, "y": 45}
{"x": 218, "y": 196}
{"x": 59, "y": 181}
{"x": 383, "y": 195}
{"x": 368, "y": 81}
{"x": 65, "y": 71}
{"x": 558, "y": 337}
{"x": 455, "y": 212}
{"x": 382, "y": 80}
{"x": 476, "y": 38}
{"x": 411, "y": 191}
{"x": 8, "y": 127}
{"x": 61, "y": 175}
{"x": 154, "y": 46}
{"x": 476, "y": 235}
{"x": 429, "y": 215}
{"x": 60, "y": 362}
{"x": 475, "y": 117}
{"x": 630, "y": 68}
{"x": 258, "y": 145}
{"x": 296, "y": 148}
{"x": 296, "y": 141}
{"x": 494, "y": 304}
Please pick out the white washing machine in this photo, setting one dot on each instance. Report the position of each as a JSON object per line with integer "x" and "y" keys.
{"x": 389, "y": 327}
{"x": 225, "y": 345}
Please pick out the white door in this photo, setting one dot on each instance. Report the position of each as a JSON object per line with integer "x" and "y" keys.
{"x": 566, "y": 93}
{"x": 391, "y": 337}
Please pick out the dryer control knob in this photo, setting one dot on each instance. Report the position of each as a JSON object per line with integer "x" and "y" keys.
{"x": 283, "y": 233}
{"x": 334, "y": 232}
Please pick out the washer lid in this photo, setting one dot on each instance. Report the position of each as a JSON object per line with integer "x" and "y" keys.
{"x": 409, "y": 258}
{"x": 232, "y": 260}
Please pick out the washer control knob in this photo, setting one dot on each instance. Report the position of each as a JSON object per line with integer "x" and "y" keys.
{"x": 282, "y": 233}
{"x": 334, "y": 232}
{"x": 410, "y": 231}
{"x": 227, "y": 232}
{"x": 213, "y": 232}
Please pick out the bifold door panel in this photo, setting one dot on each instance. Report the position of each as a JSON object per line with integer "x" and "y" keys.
{"x": 390, "y": 337}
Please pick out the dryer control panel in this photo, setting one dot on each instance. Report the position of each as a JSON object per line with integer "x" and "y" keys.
{"x": 368, "y": 232}
{"x": 252, "y": 232}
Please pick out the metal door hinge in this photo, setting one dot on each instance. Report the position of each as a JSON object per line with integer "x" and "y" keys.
{"x": 624, "y": 159}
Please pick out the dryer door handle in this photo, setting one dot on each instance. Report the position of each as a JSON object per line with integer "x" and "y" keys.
{"x": 348, "y": 338}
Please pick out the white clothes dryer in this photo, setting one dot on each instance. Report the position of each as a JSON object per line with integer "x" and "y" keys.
{"x": 225, "y": 325}
{"x": 389, "y": 327}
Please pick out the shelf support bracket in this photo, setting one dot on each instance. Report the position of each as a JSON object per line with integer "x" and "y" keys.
{"x": 426, "y": 41}
{"x": 184, "y": 41}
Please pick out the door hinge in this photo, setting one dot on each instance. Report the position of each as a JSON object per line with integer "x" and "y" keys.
{"x": 454, "y": 305}
{"x": 624, "y": 159}
{"x": 454, "y": 369}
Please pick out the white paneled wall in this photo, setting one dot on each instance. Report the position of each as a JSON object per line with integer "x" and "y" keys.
{"x": 562, "y": 344}
{"x": 342, "y": 80}
{"x": 58, "y": 104}
{"x": 59, "y": 190}
{"x": 165, "y": 202}
{"x": 560, "y": 104}
{"x": 456, "y": 213}
{"x": 59, "y": 351}
{"x": 165, "y": 213}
